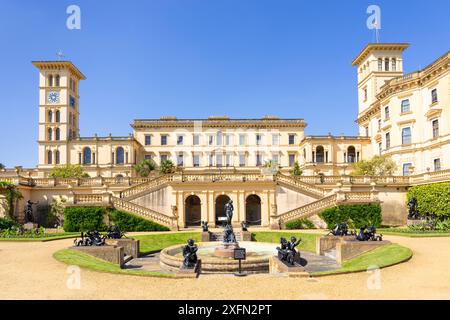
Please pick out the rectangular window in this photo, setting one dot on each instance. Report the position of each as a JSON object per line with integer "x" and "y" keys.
{"x": 211, "y": 160}
{"x": 406, "y": 168}
{"x": 386, "y": 64}
{"x": 148, "y": 140}
{"x": 380, "y": 64}
{"x": 406, "y": 136}
{"x": 164, "y": 140}
{"x": 219, "y": 158}
{"x": 242, "y": 160}
{"x": 147, "y": 157}
{"x": 379, "y": 124}
{"x": 163, "y": 157}
{"x": 229, "y": 160}
{"x": 242, "y": 139}
{"x": 291, "y": 139}
{"x": 210, "y": 140}
{"x": 386, "y": 112}
{"x": 275, "y": 159}
{"x": 437, "y": 164}
{"x": 258, "y": 139}
{"x": 180, "y": 160}
{"x": 196, "y": 160}
{"x": 275, "y": 139}
{"x": 434, "y": 96}
{"x": 435, "y": 125}
{"x": 291, "y": 160}
{"x": 196, "y": 140}
{"x": 219, "y": 138}
{"x": 228, "y": 139}
{"x": 394, "y": 64}
{"x": 405, "y": 106}
{"x": 180, "y": 140}
{"x": 258, "y": 159}
{"x": 388, "y": 140}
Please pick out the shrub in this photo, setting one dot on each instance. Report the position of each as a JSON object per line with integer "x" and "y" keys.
{"x": 432, "y": 198}
{"x": 68, "y": 171}
{"x": 6, "y": 223}
{"x": 129, "y": 222}
{"x": 377, "y": 166}
{"x": 84, "y": 219}
{"x": 166, "y": 167}
{"x": 144, "y": 168}
{"x": 358, "y": 215}
{"x": 300, "y": 224}
{"x": 296, "y": 171}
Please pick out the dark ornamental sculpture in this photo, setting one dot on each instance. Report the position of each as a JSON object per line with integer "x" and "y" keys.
{"x": 413, "y": 211}
{"x": 368, "y": 234}
{"x": 244, "y": 226}
{"x": 229, "y": 211}
{"x": 287, "y": 252}
{"x": 228, "y": 234}
{"x": 90, "y": 238}
{"x": 341, "y": 229}
{"x": 29, "y": 211}
{"x": 204, "y": 226}
{"x": 190, "y": 255}
{"x": 114, "y": 232}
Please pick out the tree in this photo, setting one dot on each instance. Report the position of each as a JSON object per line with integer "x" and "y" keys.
{"x": 2, "y": 166}
{"x": 167, "y": 167}
{"x": 377, "y": 166}
{"x": 296, "y": 171}
{"x": 57, "y": 210}
{"x": 145, "y": 167}
{"x": 12, "y": 196}
{"x": 68, "y": 171}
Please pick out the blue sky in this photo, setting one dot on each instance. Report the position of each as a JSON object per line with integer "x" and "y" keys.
{"x": 195, "y": 58}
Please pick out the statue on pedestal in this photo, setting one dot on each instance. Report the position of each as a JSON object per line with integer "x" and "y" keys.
{"x": 341, "y": 229}
{"x": 413, "y": 212}
{"x": 204, "y": 226}
{"x": 287, "y": 252}
{"x": 190, "y": 255}
{"x": 229, "y": 211}
{"x": 29, "y": 211}
{"x": 244, "y": 226}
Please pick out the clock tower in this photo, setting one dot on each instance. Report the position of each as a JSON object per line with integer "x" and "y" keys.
{"x": 58, "y": 110}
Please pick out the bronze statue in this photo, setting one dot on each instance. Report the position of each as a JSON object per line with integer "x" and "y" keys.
{"x": 413, "y": 212}
{"x": 29, "y": 211}
{"x": 229, "y": 211}
{"x": 244, "y": 226}
{"x": 368, "y": 234}
{"x": 190, "y": 255}
{"x": 341, "y": 229}
{"x": 204, "y": 226}
{"x": 114, "y": 232}
{"x": 287, "y": 252}
{"x": 228, "y": 234}
{"x": 90, "y": 238}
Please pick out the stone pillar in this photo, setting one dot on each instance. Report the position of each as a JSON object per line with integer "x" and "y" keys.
{"x": 3, "y": 206}
{"x": 274, "y": 220}
{"x": 175, "y": 224}
{"x": 211, "y": 208}
{"x": 241, "y": 206}
{"x": 204, "y": 206}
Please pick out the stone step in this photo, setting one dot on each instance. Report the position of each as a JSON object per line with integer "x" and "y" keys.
{"x": 218, "y": 236}
{"x": 330, "y": 254}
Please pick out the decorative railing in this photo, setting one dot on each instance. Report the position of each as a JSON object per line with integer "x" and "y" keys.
{"x": 87, "y": 198}
{"x": 227, "y": 177}
{"x": 118, "y": 203}
{"x": 325, "y": 203}
{"x": 300, "y": 185}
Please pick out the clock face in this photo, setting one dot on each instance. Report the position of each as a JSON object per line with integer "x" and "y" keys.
{"x": 53, "y": 97}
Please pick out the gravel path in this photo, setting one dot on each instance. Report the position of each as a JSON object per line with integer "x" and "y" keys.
{"x": 28, "y": 271}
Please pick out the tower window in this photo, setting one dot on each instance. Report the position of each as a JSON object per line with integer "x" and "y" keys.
{"x": 406, "y": 136}
{"x": 386, "y": 64}
{"x": 49, "y": 134}
{"x": 57, "y": 82}
{"x": 435, "y": 126}
{"x": 49, "y": 157}
{"x": 57, "y": 116}
{"x": 57, "y": 157}
{"x": 57, "y": 134}
{"x": 50, "y": 116}
{"x": 50, "y": 81}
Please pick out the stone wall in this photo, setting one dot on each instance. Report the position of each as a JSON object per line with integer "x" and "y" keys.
{"x": 160, "y": 200}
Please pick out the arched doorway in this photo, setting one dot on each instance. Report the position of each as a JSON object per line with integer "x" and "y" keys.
{"x": 220, "y": 208}
{"x": 193, "y": 211}
{"x": 253, "y": 210}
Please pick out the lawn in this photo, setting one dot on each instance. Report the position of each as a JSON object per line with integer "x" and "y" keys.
{"x": 308, "y": 242}
{"x": 405, "y": 232}
{"x": 156, "y": 242}
{"x": 83, "y": 260}
{"x": 381, "y": 257}
{"x": 44, "y": 238}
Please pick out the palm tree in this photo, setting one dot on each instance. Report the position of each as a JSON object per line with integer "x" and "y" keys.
{"x": 145, "y": 167}
{"x": 167, "y": 167}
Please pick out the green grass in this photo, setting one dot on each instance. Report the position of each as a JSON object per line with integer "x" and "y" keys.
{"x": 381, "y": 257}
{"x": 47, "y": 237}
{"x": 308, "y": 242}
{"x": 405, "y": 232}
{"x": 83, "y": 260}
{"x": 156, "y": 242}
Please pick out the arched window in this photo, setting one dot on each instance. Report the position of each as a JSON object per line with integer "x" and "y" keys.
{"x": 320, "y": 154}
{"x": 57, "y": 134}
{"x": 380, "y": 64}
{"x": 49, "y": 134}
{"x": 386, "y": 64}
{"x": 57, "y": 116}
{"x": 50, "y": 116}
{"x": 50, "y": 81}
{"x": 120, "y": 156}
{"x": 394, "y": 64}
{"x": 351, "y": 154}
{"x": 86, "y": 155}
{"x": 49, "y": 157}
{"x": 57, "y": 80}
{"x": 56, "y": 157}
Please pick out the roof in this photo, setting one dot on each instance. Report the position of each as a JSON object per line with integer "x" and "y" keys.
{"x": 378, "y": 46}
{"x": 58, "y": 65}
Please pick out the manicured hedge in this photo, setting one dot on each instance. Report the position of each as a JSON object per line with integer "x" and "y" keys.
{"x": 129, "y": 222}
{"x": 300, "y": 224}
{"x": 6, "y": 223}
{"x": 84, "y": 219}
{"x": 432, "y": 198}
{"x": 358, "y": 215}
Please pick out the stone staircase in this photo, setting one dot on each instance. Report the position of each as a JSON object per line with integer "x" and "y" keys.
{"x": 146, "y": 213}
{"x": 300, "y": 186}
{"x": 146, "y": 187}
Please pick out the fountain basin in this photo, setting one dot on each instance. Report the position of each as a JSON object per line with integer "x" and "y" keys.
{"x": 258, "y": 254}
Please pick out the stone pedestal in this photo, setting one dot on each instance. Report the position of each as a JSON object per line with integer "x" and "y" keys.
{"x": 226, "y": 250}
{"x": 246, "y": 236}
{"x": 30, "y": 226}
{"x": 326, "y": 243}
{"x": 205, "y": 236}
{"x": 190, "y": 272}
{"x": 130, "y": 246}
{"x": 277, "y": 266}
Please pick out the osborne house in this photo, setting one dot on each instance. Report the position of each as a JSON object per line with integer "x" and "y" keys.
{"x": 404, "y": 116}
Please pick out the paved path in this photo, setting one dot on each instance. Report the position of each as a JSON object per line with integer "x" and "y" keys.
{"x": 27, "y": 270}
